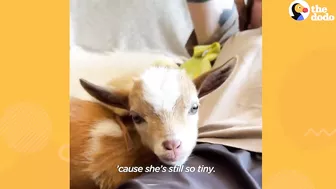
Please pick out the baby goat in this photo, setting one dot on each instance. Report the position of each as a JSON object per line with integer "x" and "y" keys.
{"x": 162, "y": 104}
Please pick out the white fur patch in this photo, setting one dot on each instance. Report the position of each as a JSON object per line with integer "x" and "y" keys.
{"x": 161, "y": 87}
{"x": 106, "y": 127}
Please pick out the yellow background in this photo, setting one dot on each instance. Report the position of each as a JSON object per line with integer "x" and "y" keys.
{"x": 299, "y": 97}
{"x": 34, "y": 105}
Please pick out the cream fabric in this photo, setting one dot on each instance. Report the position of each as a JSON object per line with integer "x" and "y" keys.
{"x": 131, "y": 25}
{"x": 231, "y": 115}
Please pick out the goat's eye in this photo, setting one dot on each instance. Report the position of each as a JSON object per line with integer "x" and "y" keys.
{"x": 193, "y": 109}
{"x": 137, "y": 119}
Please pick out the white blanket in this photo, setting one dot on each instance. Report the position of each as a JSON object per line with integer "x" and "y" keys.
{"x": 131, "y": 25}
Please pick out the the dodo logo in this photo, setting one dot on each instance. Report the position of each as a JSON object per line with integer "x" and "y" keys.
{"x": 299, "y": 10}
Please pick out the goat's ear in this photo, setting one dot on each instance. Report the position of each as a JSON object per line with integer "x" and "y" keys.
{"x": 211, "y": 80}
{"x": 106, "y": 96}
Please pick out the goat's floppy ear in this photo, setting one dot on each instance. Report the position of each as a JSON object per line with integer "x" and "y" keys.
{"x": 211, "y": 80}
{"x": 109, "y": 97}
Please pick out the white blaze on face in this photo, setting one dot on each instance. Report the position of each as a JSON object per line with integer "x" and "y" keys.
{"x": 161, "y": 87}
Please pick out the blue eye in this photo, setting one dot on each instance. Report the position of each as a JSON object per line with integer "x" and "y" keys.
{"x": 136, "y": 118}
{"x": 193, "y": 110}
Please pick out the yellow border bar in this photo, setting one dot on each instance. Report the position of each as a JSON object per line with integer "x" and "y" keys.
{"x": 34, "y": 110}
{"x": 299, "y": 98}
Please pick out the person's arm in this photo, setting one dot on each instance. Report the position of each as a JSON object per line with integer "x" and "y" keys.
{"x": 255, "y": 14}
{"x": 212, "y": 19}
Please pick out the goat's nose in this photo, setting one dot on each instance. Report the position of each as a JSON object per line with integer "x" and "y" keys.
{"x": 171, "y": 144}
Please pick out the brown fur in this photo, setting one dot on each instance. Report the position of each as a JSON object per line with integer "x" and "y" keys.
{"x": 101, "y": 166}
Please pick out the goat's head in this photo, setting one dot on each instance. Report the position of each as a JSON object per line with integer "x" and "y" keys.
{"x": 164, "y": 106}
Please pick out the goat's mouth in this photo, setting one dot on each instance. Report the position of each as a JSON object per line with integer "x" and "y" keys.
{"x": 175, "y": 155}
{"x": 176, "y": 162}
{"x": 173, "y": 160}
